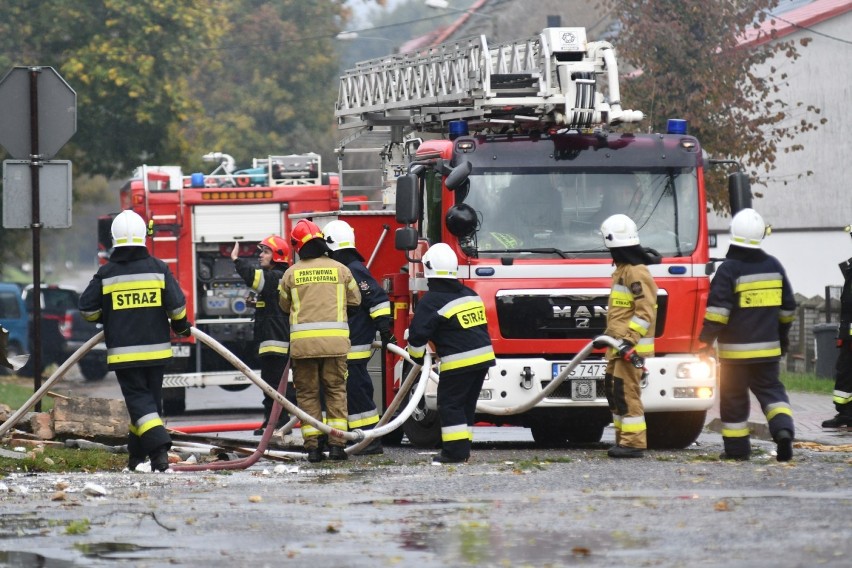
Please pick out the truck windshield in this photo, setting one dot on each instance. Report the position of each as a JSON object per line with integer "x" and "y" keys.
{"x": 560, "y": 213}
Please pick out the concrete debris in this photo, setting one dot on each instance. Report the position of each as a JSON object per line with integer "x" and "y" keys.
{"x": 90, "y": 418}
{"x": 89, "y": 445}
{"x": 95, "y": 490}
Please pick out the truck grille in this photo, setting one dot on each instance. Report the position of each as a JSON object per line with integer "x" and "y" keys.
{"x": 525, "y": 315}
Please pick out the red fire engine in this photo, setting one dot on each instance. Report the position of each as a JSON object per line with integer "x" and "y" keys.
{"x": 510, "y": 155}
{"x": 195, "y": 220}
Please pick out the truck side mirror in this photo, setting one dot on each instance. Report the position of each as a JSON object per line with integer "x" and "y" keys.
{"x": 406, "y": 238}
{"x": 458, "y": 176}
{"x": 407, "y": 210}
{"x": 739, "y": 192}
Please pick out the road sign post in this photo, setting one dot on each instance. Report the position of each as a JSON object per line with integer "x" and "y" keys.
{"x": 38, "y": 115}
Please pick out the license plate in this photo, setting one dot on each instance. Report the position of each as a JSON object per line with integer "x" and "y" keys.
{"x": 180, "y": 350}
{"x": 592, "y": 370}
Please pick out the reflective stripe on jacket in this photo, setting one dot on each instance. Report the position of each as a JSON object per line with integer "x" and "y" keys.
{"x": 452, "y": 316}
{"x": 632, "y": 311}
{"x": 750, "y": 308}
{"x": 317, "y": 293}
{"x": 135, "y": 296}
{"x": 271, "y": 325}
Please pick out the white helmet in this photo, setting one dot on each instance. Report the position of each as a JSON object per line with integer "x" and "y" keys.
{"x": 128, "y": 230}
{"x": 339, "y": 235}
{"x": 440, "y": 262}
{"x": 619, "y": 231}
{"x": 747, "y": 229}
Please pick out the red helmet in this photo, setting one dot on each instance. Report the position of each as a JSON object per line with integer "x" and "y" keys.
{"x": 279, "y": 247}
{"x": 303, "y": 232}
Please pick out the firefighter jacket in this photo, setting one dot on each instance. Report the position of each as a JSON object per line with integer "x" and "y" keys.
{"x": 750, "y": 308}
{"x": 452, "y": 316}
{"x": 135, "y": 295}
{"x": 271, "y": 325}
{"x": 374, "y": 313}
{"x": 844, "y": 332}
{"x": 632, "y": 309}
{"x": 317, "y": 293}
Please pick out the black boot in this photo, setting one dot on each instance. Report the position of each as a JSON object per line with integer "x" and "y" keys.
{"x": 337, "y": 453}
{"x": 134, "y": 462}
{"x": 839, "y": 421}
{"x": 625, "y": 452}
{"x": 160, "y": 459}
{"x": 259, "y": 431}
{"x": 315, "y": 455}
{"x": 374, "y": 448}
{"x": 784, "y": 445}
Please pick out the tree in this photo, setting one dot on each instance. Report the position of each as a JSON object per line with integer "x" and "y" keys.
{"x": 271, "y": 86}
{"x": 690, "y": 65}
{"x": 127, "y": 60}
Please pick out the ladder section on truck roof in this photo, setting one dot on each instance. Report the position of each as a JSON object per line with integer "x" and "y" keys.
{"x": 550, "y": 78}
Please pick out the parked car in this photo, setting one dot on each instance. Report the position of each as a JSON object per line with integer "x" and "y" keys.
{"x": 64, "y": 330}
{"x": 13, "y": 317}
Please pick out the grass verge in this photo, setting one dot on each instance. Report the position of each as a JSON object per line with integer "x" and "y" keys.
{"x": 810, "y": 383}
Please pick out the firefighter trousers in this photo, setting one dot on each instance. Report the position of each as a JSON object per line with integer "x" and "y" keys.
{"x": 736, "y": 380}
{"x": 457, "y": 397}
{"x": 363, "y": 413}
{"x": 623, "y": 387}
{"x": 327, "y": 376}
{"x": 843, "y": 380}
{"x": 142, "y": 388}
{"x": 272, "y": 372}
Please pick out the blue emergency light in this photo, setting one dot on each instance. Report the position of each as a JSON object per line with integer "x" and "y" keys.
{"x": 458, "y": 128}
{"x": 676, "y": 126}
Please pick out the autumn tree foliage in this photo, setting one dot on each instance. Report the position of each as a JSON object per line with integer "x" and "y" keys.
{"x": 688, "y": 62}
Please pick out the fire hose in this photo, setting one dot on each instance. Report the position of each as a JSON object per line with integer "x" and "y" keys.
{"x": 356, "y": 435}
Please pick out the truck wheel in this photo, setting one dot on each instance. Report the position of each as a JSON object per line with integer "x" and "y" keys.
{"x": 586, "y": 433}
{"x": 174, "y": 401}
{"x": 423, "y": 427}
{"x": 674, "y": 430}
{"x": 549, "y": 435}
{"x": 93, "y": 369}
{"x": 234, "y": 388}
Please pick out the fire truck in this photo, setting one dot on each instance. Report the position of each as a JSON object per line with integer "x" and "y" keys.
{"x": 194, "y": 221}
{"x": 513, "y": 154}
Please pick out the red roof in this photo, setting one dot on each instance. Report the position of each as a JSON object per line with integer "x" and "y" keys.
{"x": 774, "y": 27}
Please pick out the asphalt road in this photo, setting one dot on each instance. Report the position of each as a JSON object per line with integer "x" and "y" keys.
{"x": 513, "y": 505}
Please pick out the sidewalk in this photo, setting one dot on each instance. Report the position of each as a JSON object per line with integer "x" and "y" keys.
{"x": 809, "y": 410}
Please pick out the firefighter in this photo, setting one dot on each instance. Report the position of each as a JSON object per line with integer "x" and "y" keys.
{"x": 631, "y": 316}
{"x": 452, "y": 316}
{"x": 843, "y": 369}
{"x": 749, "y": 312}
{"x": 373, "y": 316}
{"x": 135, "y": 296}
{"x": 271, "y": 326}
{"x": 317, "y": 292}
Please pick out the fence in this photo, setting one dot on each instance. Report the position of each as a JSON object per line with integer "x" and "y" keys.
{"x": 801, "y": 357}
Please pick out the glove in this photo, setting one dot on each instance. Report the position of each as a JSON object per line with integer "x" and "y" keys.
{"x": 627, "y": 351}
{"x": 418, "y": 360}
{"x": 182, "y": 329}
{"x": 706, "y": 352}
{"x": 387, "y": 337}
{"x": 599, "y": 344}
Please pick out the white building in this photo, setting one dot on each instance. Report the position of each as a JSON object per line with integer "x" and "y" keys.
{"x": 808, "y": 196}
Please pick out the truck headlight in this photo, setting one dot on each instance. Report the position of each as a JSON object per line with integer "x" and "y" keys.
{"x": 701, "y": 369}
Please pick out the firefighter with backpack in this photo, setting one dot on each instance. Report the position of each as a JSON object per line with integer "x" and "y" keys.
{"x": 373, "y": 316}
